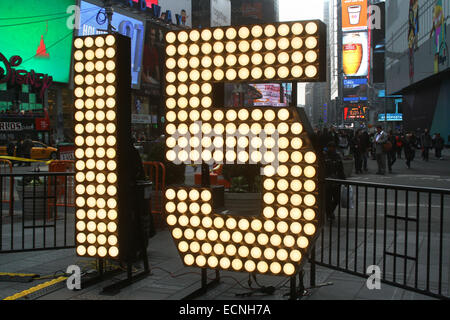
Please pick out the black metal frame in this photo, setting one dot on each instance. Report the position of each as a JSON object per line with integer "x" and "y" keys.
{"x": 50, "y": 180}
{"x": 420, "y": 218}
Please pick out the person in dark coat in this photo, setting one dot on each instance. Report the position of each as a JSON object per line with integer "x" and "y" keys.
{"x": 334, "y": 169}
{"x": 10, "y": 148}
{"x": 438, "y": 146}
{"x": 355, "y": 147}
{"x": 409, "y": 145}
{"x": 427, "y": 143}
{"x": 19, "y": 151}
{"x": 27, "y": 146}
{"x": 391, "y": 155}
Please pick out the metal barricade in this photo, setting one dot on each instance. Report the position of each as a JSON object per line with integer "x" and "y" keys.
{"x": 7, "y": 183}
{"x": 31, "y": 227}
{"x": 402, "y": 230}
{"x": 63, "y": 186}
{"x": 156, "y": 171}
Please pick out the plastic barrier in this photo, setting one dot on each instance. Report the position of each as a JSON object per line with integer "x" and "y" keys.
{"x": 6, "y": 167}
{"x": 58, "y": 186}
{"x": 156, "y": 171}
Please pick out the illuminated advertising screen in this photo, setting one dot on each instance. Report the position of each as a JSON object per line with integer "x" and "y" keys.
{"x": 261, "y": 94}
{"x": 354, "y": 15}
{"x": 355, "y": 54}
{"x": 37, "y": 31}
{"x": 355, "y": 90}
{"x": 148, "y": 2}
{"x": 89, "y": 25}
{"x": 355, "y": 113}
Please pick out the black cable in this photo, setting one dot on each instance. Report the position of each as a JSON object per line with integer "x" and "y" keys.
{"x": 39, "y": 21}
{"x": 56, "y": 42}
{"x": 45, "y": 15}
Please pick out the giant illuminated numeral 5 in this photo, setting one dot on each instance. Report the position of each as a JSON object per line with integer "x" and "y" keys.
{"x": 277, "y": 240}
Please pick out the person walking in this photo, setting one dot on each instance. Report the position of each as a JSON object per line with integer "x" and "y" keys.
{"x": 27, "y": 146}
{"x": 355, "y": 147}
{"x": 438, "y": 146}
{"x": 10, "y": 147}
{"x": 19, "y": 151}
{"x": 426, "y": 143}
{"x": 409, "y": 145}
{"x": 398, "y": 145}
{"x": 391, "y": 154}
{"x": 380, "y": 139}
{"x": 364, "y": 141}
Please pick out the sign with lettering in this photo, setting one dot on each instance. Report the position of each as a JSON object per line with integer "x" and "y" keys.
{"x": 10, "y": 126}
{"x": 14, "y": 76}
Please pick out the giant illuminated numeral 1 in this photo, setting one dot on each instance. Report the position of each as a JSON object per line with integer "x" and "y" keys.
{"x": 277, "y": 240}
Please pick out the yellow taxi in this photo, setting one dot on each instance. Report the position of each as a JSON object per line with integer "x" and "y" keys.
{"x": 39, "y": 151}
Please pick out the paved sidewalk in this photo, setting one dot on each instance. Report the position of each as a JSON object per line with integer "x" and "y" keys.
{"x": 170, "y": 280}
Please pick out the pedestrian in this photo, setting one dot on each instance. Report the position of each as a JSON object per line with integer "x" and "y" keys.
{"x": 380, "y": 140}
{"x": 409, "y": 145}
{"x": 364, "y": 141}
{"x": 334, "y": 169}
{"x": 19, "y": 151}
{"x": 391, "y": 154}
{"x": 398, "y": 145}
{"x": 10, "y": 147}
{"x": 426, "y": 143}
{"x": 27, "y": 146}
{"x": 355, "y": 146}
{"x": 343, "y": 143}
{"x": 438, "y": 146}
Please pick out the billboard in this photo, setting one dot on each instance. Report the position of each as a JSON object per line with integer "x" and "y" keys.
{"x": 352, "y": 113}
{"x": 355, "y": 90}
{"x": 419, "y": 50}
{"x": 354, "y": 15}
{"x": 355, "y": 55}
{"x": 133, "y": 28}
{"x": 181, "y": 7}
{"x": 390, "y": 117}
{"x": 152, "y": 55}
{"x": 32, "y": 30}
{"x": 261, "y": 94}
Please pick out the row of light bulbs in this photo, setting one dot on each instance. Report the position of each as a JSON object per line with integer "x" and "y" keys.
{"x": 243, "y": 225}
{"x": 238, "y": 265}
{"x": 243, "y": 33}
{"x": 231, "y": 61}
{"x": 230, "y": 47}
{"x": 256, "y": 73}
{"x": 256, "y": 115}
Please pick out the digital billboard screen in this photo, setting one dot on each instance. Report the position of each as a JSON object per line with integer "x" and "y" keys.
{"x": 133, "y": 28}
{"x": 355, "y": 90}
{"x": 38, "y": 32}
{"x": 355, "y": 54}
{"x": 355, "y": 113}
{"x": 255, "y": 95}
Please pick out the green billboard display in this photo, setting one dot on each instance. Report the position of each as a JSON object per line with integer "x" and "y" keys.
{"x": 38, "y": 32}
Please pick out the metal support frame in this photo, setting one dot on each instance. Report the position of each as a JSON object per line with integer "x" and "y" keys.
{"x": 205, "y": 286}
